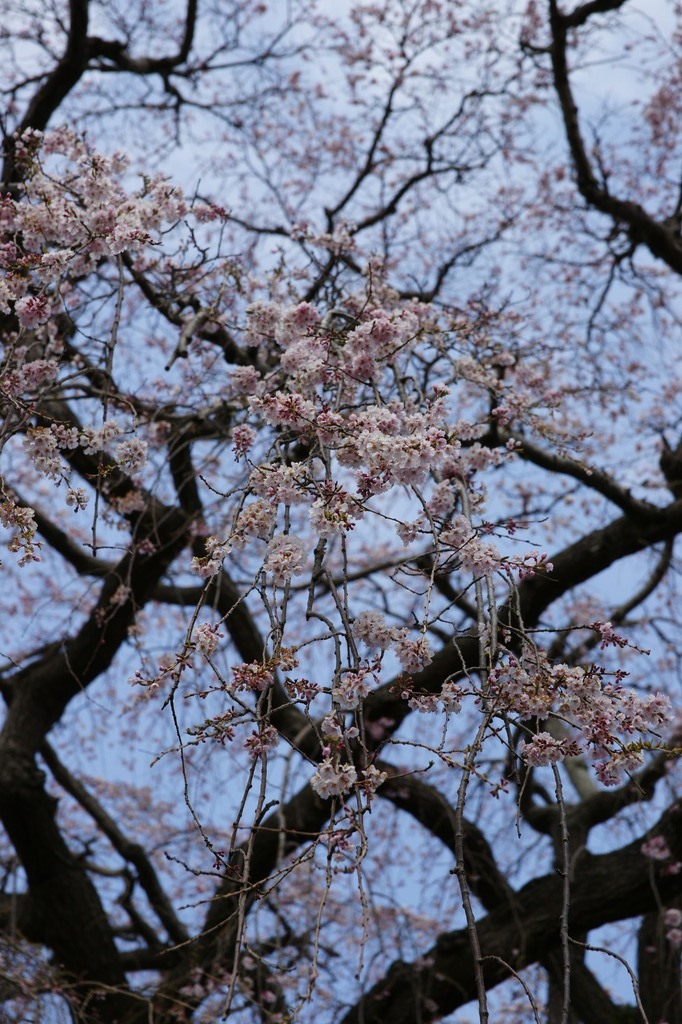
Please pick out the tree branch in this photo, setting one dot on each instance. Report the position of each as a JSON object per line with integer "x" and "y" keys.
{"x": 660, "y": 237}
{"x": 429, "y": 807}
{"x": 592, "y": 478}
{"x": 128, "y": 850}
{"x": 55, "y": 88}
{"x": 605, "y": 888}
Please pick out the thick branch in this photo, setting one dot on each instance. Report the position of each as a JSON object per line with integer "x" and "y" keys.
{"x": 590, "y": 1003}
{"x": 297, "y": 823}
{"x": 63, "y": 910}
{"x": 583, "y": 12}
{"x": 660, "y": 237}
{"x": 611, "y": 887}
{"x": 56, "y": 86}
{"x": 431, "y": 809}
{"x": 130, "y": 851}
{"x": 41, "y": 690}
{"x": 593, "y": 478}
{"x": 117, "y": 53}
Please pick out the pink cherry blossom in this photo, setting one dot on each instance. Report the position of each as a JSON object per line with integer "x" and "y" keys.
{"x": 286, "y": 556}
{"x": 210, "y": 564}
{"x": 413, "y": 653}
{"x": 370, "y": 627}
{"x": 32, "y": 311}
{"x": 206, "y": 638}
{"x": 544, "y": 749}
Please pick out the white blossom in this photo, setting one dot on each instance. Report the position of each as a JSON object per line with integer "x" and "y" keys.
{"x": 370, "y": 627}
{"x": 286, "y": 557}
{"x": 333, "y": 779}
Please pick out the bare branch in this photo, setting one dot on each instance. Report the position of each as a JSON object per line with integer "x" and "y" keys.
{"x": 128, "y": 850}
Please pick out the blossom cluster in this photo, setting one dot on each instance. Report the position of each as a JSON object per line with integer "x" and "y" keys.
{"x": 335, "y": 511}
{"x": 255, "y": 676}
{"x": 413, "y": 653}
{"x": 345, "y": 431}
{"x": 334, "y": 777}
{"x": 206, "y": 638}
{"x": 603, "y": 713}
{"x": 69, "y": 220}
{"x": 27, "y": 377}
{"x": 349, "y": 691}
{"x": 324, "y": 390}
{"x": 21, "y": 521}
{"x": 544, "y": 749}
{"x": 210, "y": 564}
{"x": 285, "y": 557}
{"x": 383, "y": 446}
{"x": 656, "y": 849}
{"x": 72, "y": 214}
{"x": 43, "y": 444}
{"x": 449, "y": 698}
{"x": 370, "y": 626}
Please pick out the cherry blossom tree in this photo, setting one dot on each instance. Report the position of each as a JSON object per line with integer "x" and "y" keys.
{"x": 340, "y": 490}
